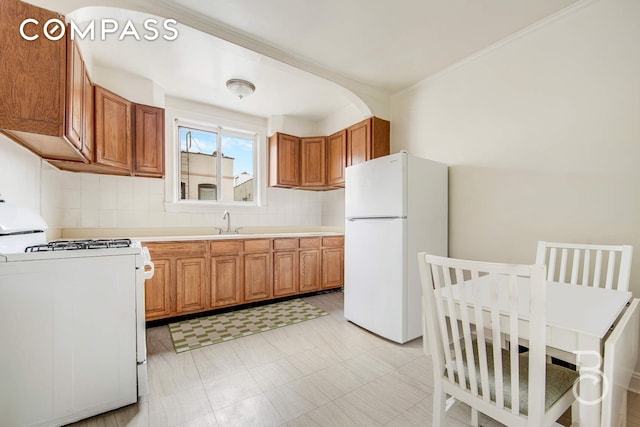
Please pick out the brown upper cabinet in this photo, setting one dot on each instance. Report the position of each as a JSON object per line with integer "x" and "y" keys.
{"x": 42, "y": 88}
{"x": 113, "y": 138}
{"x": 149, "y": 141}
{"x": 318, "y": 163}
{"x": 312, "y": 162}
{"x": 284, "y": 160}
{"x": 368, "y": 140}
{"x": 336, "y": 158}
{"x": 129, "y": 138}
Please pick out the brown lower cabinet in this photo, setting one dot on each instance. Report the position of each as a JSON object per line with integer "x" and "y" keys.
{"x": 197, "y": 275}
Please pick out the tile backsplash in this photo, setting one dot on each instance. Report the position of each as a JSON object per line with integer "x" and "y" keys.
{"x": 105, "y": 201}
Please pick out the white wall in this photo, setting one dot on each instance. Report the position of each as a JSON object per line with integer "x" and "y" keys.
{"x": 26, "y": 181}
{"x": 542, "y": 134}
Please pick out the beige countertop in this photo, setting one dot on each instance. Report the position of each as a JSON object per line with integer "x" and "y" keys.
{"x": 174, "y": 234}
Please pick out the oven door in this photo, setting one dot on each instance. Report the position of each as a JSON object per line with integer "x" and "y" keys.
{"x": 144, "y": 271}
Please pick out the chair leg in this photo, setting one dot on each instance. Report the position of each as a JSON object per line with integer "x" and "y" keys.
{"x": 439, "y": 411}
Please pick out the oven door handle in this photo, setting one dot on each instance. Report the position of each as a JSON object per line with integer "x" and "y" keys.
{"x": 148, "y": 274}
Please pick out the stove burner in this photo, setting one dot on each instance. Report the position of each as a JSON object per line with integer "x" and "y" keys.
{"x": 69, "y": 245}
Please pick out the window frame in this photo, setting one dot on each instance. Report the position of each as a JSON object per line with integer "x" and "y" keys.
{"x": 211, "y": 123}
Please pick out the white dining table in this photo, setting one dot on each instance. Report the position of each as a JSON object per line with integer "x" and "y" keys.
{"x": 579, "y": 319}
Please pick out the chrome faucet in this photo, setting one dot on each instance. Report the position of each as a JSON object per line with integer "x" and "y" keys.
{"x": 227, "y": 216}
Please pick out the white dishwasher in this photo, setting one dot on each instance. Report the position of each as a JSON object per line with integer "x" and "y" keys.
{"x": 72, "y": 330}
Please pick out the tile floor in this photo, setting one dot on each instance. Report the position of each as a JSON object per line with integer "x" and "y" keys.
{"x": 322, "y": 372}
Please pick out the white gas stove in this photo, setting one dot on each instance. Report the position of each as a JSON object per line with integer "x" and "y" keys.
{"x": 75, "y": 342}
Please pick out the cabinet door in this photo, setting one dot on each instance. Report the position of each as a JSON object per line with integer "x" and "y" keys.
{"x": 312, "y": 162}
{"x": 332, "y": 267}
{"x": 225, "y": 281}
{"x": 257, "y": 276}
{"x": 284, "y": 161}
{"x": 88, "y": 105}
{"x": 368, "y": 140}
{"x": 32, "y": 86}
{"x": 113, "y": 137}
{"x": 157, "y": 291}
{"x": 285, "y": 273}
{"x": 190, "y": 284}
{"x": 149, "y": 141}
{"x": 75, "y": 95}
{"x": 309, "y": 264}
{"x": 358, "y": 147}
{"x": 336, "y": 158}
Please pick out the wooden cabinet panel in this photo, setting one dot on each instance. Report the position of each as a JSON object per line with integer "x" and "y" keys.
{"x": 332, "y": 267}
{"x": 190, "y": 284}
{"x": 289, "y": 243}
{"x": 257, "y": 245}
{"x": 88, "y": 116}
{"x": 310, "y": 273}
{"x": 149, "y": 141}
{"x": 336, "y": 158}
{"x": 333, "y": 242}
{"x": 157, "y": 296}
{"x": 285, "y": 273}
{"x": 226, "y": 285}
{"x": 310, "y": 242}
{"x": 225, "y": 247}
{"x": 32, "y": 87}
{"x": 284, "y": 160}
{"x": 257, "y": 276}
{"x": 368, "y": 140}
{"x": 358, "y": 147}
{"x": 75, "y": 95}
{"x": 312, "y": 162}
{"x": 113, "y": 137}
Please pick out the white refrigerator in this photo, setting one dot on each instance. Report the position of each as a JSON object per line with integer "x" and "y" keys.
{"x": 395, "y": 207}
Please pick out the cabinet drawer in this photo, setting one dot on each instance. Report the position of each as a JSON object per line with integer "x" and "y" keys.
{"x": 225, "y": 247}
{"x": 310, "y": 242}
{"x": 176, "y": 249}
{"x": 257, "y": 245}
{"x": 333, "y": 242}
{"x": 279, "y": 244}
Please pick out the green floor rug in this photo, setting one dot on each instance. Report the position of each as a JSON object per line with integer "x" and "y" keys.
{"x": 203, "y": 331}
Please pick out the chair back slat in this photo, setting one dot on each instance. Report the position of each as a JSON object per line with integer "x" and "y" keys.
{"x": 563, "y": 265}
{"x": 453, "y": 328}
{"x": 610, "y": 266}
{"x": 480, "y": 331}
{"x": 466, "y": 332}
{"x": 496, "y": 339}
{"x": 574, "y": 267}
{"x": 586, "y": 269}
{"x": 513, "y": 343}
{"x": 598, "y": 269}
{"x": 442, "y": 326}
{"x": 470, "y": 308}
{"x": 552, "y": 263}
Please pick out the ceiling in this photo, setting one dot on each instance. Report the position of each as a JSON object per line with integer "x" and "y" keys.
{"x": 296, "y": 51}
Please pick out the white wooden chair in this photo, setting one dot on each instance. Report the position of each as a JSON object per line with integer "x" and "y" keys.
{"x": 464, "y": 299}
{"x": 585, "y": 264}
{"x": 620, "y": 357}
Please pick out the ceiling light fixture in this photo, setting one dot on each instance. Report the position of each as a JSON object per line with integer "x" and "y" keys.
{"x": 240, "y": 88}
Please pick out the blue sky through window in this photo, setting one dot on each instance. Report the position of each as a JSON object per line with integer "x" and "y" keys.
{"x": 241, "y": 149}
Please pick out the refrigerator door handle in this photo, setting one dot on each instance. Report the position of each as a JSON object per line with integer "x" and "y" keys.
{"x": 376, "y": 218}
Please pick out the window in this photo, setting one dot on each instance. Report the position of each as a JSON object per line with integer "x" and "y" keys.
{"x": 216, "y": 164}
{"x": 207, "y": 192}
